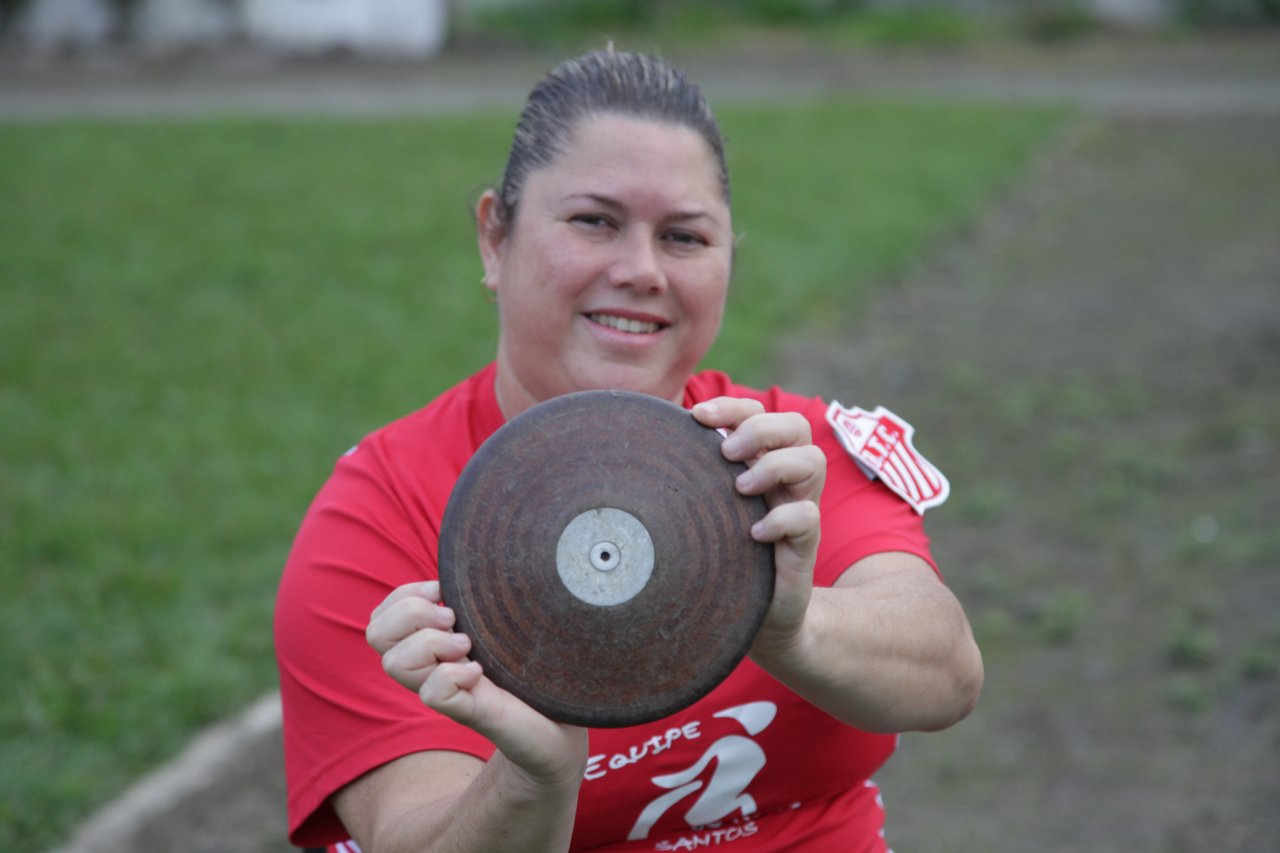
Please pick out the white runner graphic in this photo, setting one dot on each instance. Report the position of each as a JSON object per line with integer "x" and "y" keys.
{"x": 738, "y": 760}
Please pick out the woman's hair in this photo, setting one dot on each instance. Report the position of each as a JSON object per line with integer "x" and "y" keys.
{"x": 602, "y": 82}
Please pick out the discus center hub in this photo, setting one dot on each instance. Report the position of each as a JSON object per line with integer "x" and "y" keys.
{"x": 605, "y": 556}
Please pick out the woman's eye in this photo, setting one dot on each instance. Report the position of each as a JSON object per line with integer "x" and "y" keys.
{"x": 686, "y": 238}
{"x": 589, "y": 220}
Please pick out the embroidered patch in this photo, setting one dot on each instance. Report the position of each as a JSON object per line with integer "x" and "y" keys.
{"x": 880, "y": 442}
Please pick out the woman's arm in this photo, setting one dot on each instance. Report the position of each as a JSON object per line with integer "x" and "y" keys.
{"x": 523, "y": 798}
{"x": 888, "y": 648}
{"x": 447, "y": 801}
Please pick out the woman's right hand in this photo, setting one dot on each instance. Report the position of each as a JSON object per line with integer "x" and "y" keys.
{"x": 413, "y": 631}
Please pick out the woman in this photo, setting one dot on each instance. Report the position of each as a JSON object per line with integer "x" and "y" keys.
{"x": 609, "y": 248}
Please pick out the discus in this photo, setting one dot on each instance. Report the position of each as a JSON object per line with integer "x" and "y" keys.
{"x": 597, "y": 554}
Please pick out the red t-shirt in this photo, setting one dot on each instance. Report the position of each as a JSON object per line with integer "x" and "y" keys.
{"x": 750, "y": 767}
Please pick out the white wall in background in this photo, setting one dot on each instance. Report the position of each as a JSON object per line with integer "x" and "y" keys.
{"x": 391, "y": 27}
{"x": 166, "y": 23}
{"x": 61, "y": 23}
{"x": 1137, "y": 13}
{"x": 410, "y": 28}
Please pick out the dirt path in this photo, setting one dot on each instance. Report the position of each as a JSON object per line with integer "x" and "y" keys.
{"x": 1097, "y": 367}
{"x": 1228, "y": 75}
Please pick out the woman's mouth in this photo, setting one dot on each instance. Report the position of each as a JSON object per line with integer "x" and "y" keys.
{"x": 625, "y": 324}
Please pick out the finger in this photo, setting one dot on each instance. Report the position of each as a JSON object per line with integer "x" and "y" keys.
{"x": 405, "y": 618}
{"x": 726, "y": 412}
{"x": 800, "y": 472}
{"x": 798, "y": 523}
{"x": 794, "y": 530}
{"x": 449, "y": 690}
{"x": 430, "y": 590}
{"x": 525, "y": 737}
{"x": 411, "y": 661}
{"x": 762, "y": 433}
{"x": 461, "y": 692}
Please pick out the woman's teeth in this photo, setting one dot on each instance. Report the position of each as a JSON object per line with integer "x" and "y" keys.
{"x": 622, "y": 324}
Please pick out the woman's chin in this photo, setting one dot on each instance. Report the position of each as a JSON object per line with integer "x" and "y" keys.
{"x": 630, "y": 379}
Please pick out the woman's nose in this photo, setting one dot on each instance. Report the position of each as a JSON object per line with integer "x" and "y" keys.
{"x": 638, "y": 264}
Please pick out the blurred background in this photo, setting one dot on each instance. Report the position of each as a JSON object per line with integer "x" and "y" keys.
{"x": 235, "y": 237}
{"x": 420, "y": 28}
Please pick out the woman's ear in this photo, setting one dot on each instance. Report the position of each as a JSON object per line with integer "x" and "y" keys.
{"x": 491, "y": 234}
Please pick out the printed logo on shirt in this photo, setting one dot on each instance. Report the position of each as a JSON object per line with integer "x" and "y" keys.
{"x": 714, "y": 787}
{"x": 599, "y": 766}
{"x": 880, "y": 442}
{"x": 710, "y": 837}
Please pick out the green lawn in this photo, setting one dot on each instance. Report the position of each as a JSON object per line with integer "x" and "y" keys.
{"x": 197, "y": 318}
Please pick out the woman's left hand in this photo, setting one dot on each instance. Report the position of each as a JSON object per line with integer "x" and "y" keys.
{"x": 788, "y": 470}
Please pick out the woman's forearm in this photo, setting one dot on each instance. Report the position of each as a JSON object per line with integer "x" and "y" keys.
{"x": 500, "y": 809}
{"x": 887, "y": 650}
{"x": 524, "y": 797}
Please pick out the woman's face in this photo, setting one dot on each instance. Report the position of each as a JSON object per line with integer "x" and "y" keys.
{"x": 615, "y": 269}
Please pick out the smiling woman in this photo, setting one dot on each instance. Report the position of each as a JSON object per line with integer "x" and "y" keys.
{"x": 609, "y": 246}
{"x": 617, "y": 273}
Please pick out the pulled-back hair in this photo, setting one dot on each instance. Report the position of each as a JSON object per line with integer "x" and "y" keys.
{"x": 599, "y": 83}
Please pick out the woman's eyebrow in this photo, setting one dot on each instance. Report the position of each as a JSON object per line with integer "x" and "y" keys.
{"x": 613, "y": 204}
{"x": 603, "y": 200}
{"x": 685, "y": 216}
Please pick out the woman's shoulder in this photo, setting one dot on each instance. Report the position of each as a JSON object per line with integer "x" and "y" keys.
{"x": 708, "y": 384}
{"x": 880, "y": 442}
{"x": 452, "y": 425}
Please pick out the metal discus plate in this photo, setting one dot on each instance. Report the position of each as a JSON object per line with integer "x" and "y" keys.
{"x": 597, "y": 554}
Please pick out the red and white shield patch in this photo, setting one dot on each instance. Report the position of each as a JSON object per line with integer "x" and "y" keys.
{"x": 880, "y": 442}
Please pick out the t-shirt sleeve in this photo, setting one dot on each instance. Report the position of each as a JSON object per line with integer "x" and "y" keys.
{"x": 364, "y": 535}
{"x": 860, "y": 515}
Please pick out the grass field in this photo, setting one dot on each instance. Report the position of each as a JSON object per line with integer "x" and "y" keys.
{"x": 197, "y": 318}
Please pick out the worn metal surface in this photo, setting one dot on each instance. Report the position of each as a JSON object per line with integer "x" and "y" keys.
{"x": 598, "y": 556}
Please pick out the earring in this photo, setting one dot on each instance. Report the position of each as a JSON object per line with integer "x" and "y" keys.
{"x": 489, "y": 295}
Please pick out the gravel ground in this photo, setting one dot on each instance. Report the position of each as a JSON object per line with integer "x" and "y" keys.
{"x": 1191, "y": 77}
{"x": 1098, "y": 366}
{"x": 1096, "y": 363}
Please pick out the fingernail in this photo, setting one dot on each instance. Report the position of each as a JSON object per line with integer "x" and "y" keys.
{"x": 745, "y": 480}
